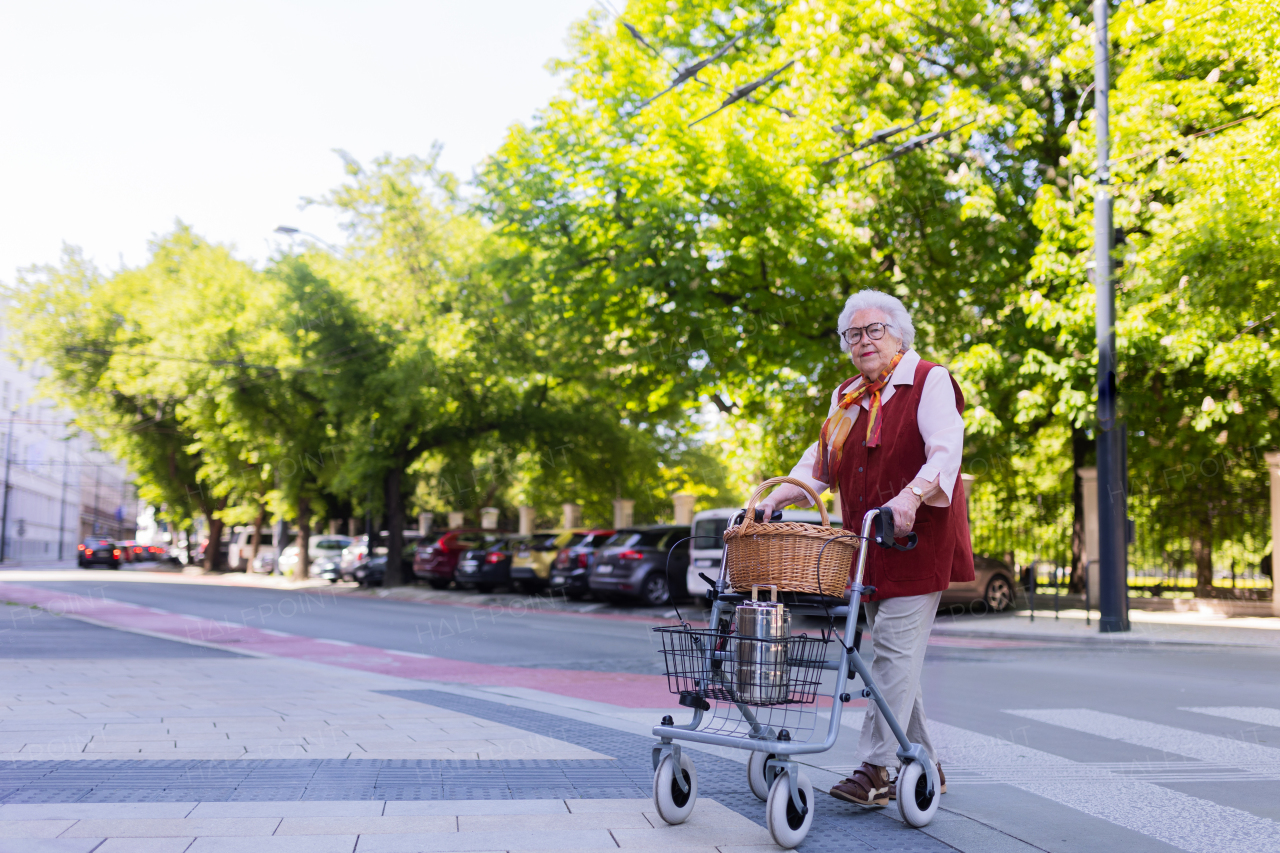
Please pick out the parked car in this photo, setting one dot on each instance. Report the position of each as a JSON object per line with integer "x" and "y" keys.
{"x": 436, "y": 562}
{"x": 322, "y": 548}
{"x": 531, "y": 565}
{"x": 240, "y": 554}
{"x": 139, "y": 553}
{"x": 708, "y": 541}
{"x": 126, "y": 550}
{"x": 633, "y": 565}
{"x": 371, "y": 572}
{"x": 572, "y": 566}
{"x": 96, "y": 551}
{"x": 991, "y": 590}
{"x": 488, "y": 566}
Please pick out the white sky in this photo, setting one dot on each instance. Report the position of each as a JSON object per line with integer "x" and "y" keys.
{"x": 116, "y": 118}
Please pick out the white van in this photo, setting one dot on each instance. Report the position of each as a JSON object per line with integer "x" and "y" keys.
{"x": 240, "y": 551}
{"x": 708, "y": 542}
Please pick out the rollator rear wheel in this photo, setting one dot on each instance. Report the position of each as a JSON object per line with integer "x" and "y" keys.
{"x": 674, "y": 804}
{"x": 787, "y": 826}
{"x": 915, "y": 804}
{"x": 756, "y": 776}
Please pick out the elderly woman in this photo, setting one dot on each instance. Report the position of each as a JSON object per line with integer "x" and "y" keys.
{"x": 893, "y": 437}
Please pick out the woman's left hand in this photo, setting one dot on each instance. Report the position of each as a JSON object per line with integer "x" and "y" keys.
{"x": 904, "y": 507}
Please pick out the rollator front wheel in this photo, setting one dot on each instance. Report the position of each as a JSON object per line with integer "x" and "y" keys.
{"x": 915, "y": 804}
{"x": 786, "y": 824}
{"x": 757, "y": 778}
{"x": 674, "y": 803}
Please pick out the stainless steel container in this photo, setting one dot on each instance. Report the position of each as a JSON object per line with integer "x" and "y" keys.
{"x": 761, "y": 650}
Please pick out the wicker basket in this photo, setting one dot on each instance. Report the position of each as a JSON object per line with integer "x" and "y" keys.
{"x": 786, "y": 553}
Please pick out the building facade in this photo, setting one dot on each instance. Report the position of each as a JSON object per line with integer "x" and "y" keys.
{"x": 58, "y": 485}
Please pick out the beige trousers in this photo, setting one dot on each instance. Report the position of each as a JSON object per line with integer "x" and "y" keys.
{"x": 899, "y": 632}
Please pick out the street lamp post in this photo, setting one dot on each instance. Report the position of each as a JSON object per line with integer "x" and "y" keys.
{"x": 1113, "y": 597}
{"x": 4, "y": 516}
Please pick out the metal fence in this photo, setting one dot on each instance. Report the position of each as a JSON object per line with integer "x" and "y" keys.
{"x": 1033, "y": 537}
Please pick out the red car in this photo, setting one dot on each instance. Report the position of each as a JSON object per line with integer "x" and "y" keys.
{"x": 435, "y": 561}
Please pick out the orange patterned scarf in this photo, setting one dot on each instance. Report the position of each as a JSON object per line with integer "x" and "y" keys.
{"x": 826, "y": 468}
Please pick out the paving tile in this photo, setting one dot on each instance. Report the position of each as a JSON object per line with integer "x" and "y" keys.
{"x": 690, "y": 834}
{"x": 541, "y": 823}
{"x": 295, "y": 809}
{"x": 168, "y": 844}
{"x": 33, "y": 828}
{"x": 636, "y": 805}
{"x": 362, "y": 826}
{"x": 93, "y": 811}
{"x": 471, "y": 842}
{"x": 153, "y": 828}
{"x": 48, "y": 845}
{"x": 476, "y": 807}
{"x": 276, "y": 844}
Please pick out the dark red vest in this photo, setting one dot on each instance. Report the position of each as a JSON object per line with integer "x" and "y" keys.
{"x": 870, "y": 477}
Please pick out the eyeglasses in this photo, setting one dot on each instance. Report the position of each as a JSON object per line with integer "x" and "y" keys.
{"x": 875, "y": 331}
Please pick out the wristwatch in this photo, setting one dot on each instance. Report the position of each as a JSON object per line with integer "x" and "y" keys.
{"x": 917, "y": 491}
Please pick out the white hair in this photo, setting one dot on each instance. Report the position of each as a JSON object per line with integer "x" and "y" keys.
{"x": 899, "y": 319}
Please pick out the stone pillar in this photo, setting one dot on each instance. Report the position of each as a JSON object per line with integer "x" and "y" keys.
{"x": 966, "y": 483}
{"x": 455, "y": 520}
{"x": 1273, "y": 474}
{"x": 527, "y": 514}
{"x": 351, "y": 527}
{"x": 624, "y": 511}
{"x": 489, "y": 518}
{"x": 570, "y": 516}
{"x": 683, "y": 503}
{"x": 1092, "y": 551}
{"x": 425, "y": 520}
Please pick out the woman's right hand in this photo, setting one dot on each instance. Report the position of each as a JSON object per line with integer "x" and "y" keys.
{"x": 766, "y": 509}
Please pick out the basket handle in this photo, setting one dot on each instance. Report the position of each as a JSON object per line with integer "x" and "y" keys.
{"x": 778, "y": 481}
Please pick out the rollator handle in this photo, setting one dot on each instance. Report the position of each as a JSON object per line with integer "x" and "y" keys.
{"x": 884, "y": 531}
{"x": 777, "y": 516}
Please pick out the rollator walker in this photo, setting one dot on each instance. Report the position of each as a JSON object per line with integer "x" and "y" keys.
{"x": 753, "y": 685}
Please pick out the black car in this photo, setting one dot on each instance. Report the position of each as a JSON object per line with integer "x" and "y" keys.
{"x": 370, "y": 572}
{"x": 633, "y": 565}
{"x": 97, "y": 551}
{"x": 571, "y": 570}
{"x": 487, "y": 567}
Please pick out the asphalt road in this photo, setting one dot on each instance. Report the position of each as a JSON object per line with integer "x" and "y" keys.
{"x": 1063, "y": 747}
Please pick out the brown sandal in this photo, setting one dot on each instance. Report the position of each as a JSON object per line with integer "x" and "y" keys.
{"x": 942, "y": 784}
{"x": 868, "y": 786}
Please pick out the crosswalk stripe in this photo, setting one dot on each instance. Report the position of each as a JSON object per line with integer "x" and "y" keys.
{"x": 1261, "y": 716}
{"x": 1253, "y": 757}
{"x": 1180, "y": 820}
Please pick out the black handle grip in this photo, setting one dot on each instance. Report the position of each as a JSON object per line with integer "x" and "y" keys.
{"x": 884, "y": 531}
{"x": 777, "y": 515}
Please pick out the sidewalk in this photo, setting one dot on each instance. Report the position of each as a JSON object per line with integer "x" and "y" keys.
{"x": 1147, "y": 627}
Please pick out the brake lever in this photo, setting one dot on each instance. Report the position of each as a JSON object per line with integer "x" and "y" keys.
{"x": 884, "y": 531}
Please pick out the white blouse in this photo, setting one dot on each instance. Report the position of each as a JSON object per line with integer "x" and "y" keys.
{"x": 940, "y": 425}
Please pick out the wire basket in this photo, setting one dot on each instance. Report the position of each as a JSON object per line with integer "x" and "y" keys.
{"x": 786, "y": 553}
{"x": 729, "y": 668}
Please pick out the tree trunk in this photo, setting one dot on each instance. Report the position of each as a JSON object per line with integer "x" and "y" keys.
{"x": 256, "y": 542}
{"x": 1079, "y": 569}
{"x": 1202, "y": 554}
{"x": 213, "y": 550}
{"x": 304, "y": 539}
{"x": 395, "y": 574}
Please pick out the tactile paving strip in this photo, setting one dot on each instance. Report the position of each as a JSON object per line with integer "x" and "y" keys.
{"x": 836, "y": 826}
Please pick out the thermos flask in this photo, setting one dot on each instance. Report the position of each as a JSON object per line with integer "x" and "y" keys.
{"x": 761, "y": 650}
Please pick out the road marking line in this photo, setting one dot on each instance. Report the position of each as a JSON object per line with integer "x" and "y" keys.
{"x": 407, "y": 654}
{"x": 334, "y": 642}
{"x": 1180, "y": 820}
{"x": 1253, "y": 757}
{"x": 274, "y": 633}
{"x": 1261, "y": 716}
